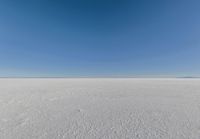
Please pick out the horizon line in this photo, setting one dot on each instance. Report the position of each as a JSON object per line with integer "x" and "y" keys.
{"x": 186, "y": 77}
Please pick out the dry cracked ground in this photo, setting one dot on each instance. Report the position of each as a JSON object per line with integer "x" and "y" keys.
{"x": 99, "y": 108}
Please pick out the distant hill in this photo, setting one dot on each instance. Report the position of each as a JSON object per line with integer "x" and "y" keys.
{"x": 188, "y": 77}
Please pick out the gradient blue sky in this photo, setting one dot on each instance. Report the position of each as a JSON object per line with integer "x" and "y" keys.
{"x": 74, "y": 38}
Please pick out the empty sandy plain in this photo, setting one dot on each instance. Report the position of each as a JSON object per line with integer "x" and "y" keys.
{"x": 99, "y": 108}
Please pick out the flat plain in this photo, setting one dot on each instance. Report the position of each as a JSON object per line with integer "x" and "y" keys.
{"x": 99, "y": 108}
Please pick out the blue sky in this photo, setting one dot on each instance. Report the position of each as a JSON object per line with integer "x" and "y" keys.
{"x": 80, "y": 38}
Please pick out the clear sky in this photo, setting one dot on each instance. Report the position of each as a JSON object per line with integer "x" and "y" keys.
{"x": 72, "y": 38}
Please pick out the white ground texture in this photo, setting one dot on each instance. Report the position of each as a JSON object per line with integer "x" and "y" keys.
{"x": 99, "y": 108}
